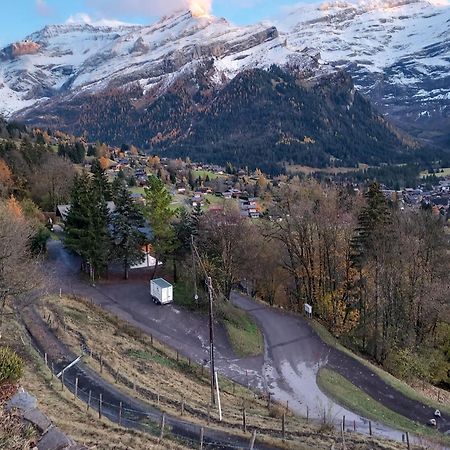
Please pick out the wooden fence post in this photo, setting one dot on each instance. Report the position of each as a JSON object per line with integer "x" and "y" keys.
{"x": 100, "y": 404}
{"x": 244, "y": 420}
{"x": 202, "y": 431}
{"x": 407, "y": 441}
{"x": 120, "y": 413}
{"x": 75, "y": 395}
{"x": 252, "y": 440}
{"x": 62, "y": 381}
{"x": 53, "y": 369}
{"x": 354, "y": 425}
{"x": 307, "y": 413}
{"x": 343, "y": 423}
{"x": 370, "y": 428}
{"x": 163, "y": 422}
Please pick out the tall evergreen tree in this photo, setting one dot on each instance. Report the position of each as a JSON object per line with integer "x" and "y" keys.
{"x": 87, "y": 225}
{"x": 371, "y": 222}
{"x": 100, "y": 180}
{"x": 368, "y": 251}
{"x": 78, "y": 218}
{"x": 160, "y": 215}
{"x": 127, "y": 239}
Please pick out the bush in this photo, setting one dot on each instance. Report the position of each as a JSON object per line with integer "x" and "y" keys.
{"x": 11, "y": 366}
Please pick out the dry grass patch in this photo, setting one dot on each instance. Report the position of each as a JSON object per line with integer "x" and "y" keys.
{"x": 69, "y": 415}
{"x": 14, "y": 434}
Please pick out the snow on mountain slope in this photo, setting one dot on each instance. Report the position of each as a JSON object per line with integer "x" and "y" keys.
{"x": 73, "y": 58}
{"x": 398, "y": 52}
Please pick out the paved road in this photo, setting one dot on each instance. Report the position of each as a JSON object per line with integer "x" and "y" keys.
{"x": 135, "y": 413}
{"x": 288, "y": 369}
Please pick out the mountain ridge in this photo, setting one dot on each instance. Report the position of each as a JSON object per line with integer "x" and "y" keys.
{"x": 162, "y": 81}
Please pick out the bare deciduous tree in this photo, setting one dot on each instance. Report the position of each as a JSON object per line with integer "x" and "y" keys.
{"x": 52, "y": 182}
{"x": 20, "y": 273}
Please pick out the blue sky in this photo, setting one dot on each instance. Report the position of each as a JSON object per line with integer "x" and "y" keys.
{"x": 19, "y": 18}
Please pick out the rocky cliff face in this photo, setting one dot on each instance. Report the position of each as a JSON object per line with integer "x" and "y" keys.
{"x": 79, "y": 58}
{"x": 397, "y": 51}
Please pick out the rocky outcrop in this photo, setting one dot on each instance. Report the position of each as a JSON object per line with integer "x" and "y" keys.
{"x": 52, "y": 438}
{"x": 140, "y": 47}
{"x": 24, "y": 48}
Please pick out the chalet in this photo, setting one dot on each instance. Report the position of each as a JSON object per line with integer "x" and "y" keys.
{"x": 197, "y": 200}
{"x": 63, "y": 210}
{"x": 249, "y": 207}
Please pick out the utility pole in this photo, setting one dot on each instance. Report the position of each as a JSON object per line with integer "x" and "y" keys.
{"x": 211, "y": 339}
{"x": 194, "y": 269}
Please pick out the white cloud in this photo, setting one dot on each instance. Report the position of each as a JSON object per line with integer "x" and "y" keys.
{"x": 86, "y": 18}
{"x": 79, "y": 18}
{"x": 149, "y": 8}
{"x": 42, "y": 8}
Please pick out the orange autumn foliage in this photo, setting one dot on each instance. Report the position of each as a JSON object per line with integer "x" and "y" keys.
{"x": 5, "y": 173}
{"x": 104, "y": 162}
{"x": 14, "y": 207}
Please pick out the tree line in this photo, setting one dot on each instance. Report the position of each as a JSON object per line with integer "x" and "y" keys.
{"x": 376, "y": 275}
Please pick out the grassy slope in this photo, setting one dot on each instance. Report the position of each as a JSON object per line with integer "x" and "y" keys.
{"x": 397, "y": 384}
{"x": 348, "y": 395}
{"x": 204, "y": 173}
{"x": 69, "y": 415}
{"x": 245, "y": 336}
{"x": 155, "y": 367}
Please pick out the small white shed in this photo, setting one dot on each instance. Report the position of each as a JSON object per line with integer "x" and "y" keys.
{"x": 161, "y": 291}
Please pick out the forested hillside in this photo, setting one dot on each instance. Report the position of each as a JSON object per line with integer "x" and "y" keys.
{"x": 259, "y": 119}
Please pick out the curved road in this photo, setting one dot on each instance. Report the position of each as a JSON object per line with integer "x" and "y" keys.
{"x": 293, "y": 351}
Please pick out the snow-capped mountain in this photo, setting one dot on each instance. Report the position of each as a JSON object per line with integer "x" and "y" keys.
{"x": 68, "y": 59}
{"x": 398, "y": 52}
{"x": 181, "y": 84}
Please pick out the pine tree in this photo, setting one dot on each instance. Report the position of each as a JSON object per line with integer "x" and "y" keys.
{"x": 99, "y": 237}
{"x": 87, "y": 225}
{"x": 159, "y": 215}
{"x": 128, "y": 240}
{"x": 371, "y": 222}
{"x": 100, "y": 180}
{"x": 77, "y": 221}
